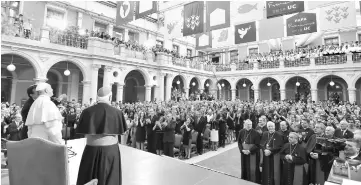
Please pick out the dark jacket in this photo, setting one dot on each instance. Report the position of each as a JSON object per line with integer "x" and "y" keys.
{"x": 339, "y": 134}
{"x": 169, "y": 133}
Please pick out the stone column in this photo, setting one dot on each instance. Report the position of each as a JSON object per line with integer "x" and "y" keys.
{"x": 352, "y": 95}
{"x": 126, "y": 36}
{"x": 256, "y": 94}
{"x": 314, "y": 95}
{"x": 86, "y": 92}
{"x": 233, "y": 94}
{"x": 107, "y": 76}
{"x": 120, "y": 88}
{"x": 60, "y": 88}
{"x": 40, "y": 80}
{"x": 13, "y": 90}
{"x": 186, "y": 90}
{"x": 148, "y": 92}
{"x": 74, "y": 84}
{"x": 168, "y": 90}
{"x": 94, "y": 81}
{"x": 160, "y": 87}
{"x": 110, "y": 30}
{"x": 283, "y": 94}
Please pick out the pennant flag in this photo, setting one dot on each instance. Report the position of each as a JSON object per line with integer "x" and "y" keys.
{"x": 338, "y": 16}
{"x": 193, "y": 18}
{"x": 279, "y": 8}
{"x": 218, "y": 15}
{"x": 145, "y": 8}
{"x": 246, "y": 11}
{"x": 125, "y": 12}
{"x": 222, "y": 37}
{"x": 301, "y": 23}
{"x": 203, "y": 41}
{"x": 277, "y": 31}
{"x": 174, "y": 24}
{"x": 244, "y": 33}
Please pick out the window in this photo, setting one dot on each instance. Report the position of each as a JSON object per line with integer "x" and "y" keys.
{"x": 11, "y": 9}
{"x": 159, "y": 43}
{"x": 252, "y": 51}
{"x": 331, "y": 41}
{"x": 189, "y": 53}
{"x": 132, "y": 36}
{"x": 100, "y": 27}
{"x": 117, "y": 32}
{"x": 56, "y": 18}
{"x": 234, "y": 56}
{"x": 176, "y": 48}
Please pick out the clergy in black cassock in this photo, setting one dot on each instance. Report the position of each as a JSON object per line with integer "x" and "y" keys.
{"x": 101, "y": 124}
{"x": 293, "y": 156}
{"x": 284, "y": 131}
{"x": 271, "y": 144}
{"x": 248, "y": 144}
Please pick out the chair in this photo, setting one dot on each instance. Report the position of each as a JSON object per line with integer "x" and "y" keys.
{"x": 178, "y": 144}
{"x": 38, "y": 161}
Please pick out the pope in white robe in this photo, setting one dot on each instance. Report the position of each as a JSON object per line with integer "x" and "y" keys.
{"x": 44, "y": 119}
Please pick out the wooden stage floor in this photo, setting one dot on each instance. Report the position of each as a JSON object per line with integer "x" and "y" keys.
{"x": 143, "y": 168}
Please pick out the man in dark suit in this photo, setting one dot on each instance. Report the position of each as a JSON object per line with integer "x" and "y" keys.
{"x": 151, "y": 135}
{"x": 32, "y": 94}
{"x": 169, "y": 135}
{"x": 201, "y": 122}
{"x": 15, "y": 128}
{"x": 343, "y": 132}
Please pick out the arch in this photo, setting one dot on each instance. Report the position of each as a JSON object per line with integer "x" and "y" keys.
{"x": 354, "y": 81}
{"x": 322, "y": 92}
{"x": 32, "y": 60}
{"x": 140, "y": 70}
{"x": 270, "y": 77}
{"x": 330, "y": 74}
{"x": 74, "y": 61}
{"x": 182, "y": 77}
{"x": 198, "y": 81}
{"x": 131, "y": 78}
{"x": 241, "y": 78}
{"x": 208, "y": 79}
{"x": 288, "y": 78}
{"x": 58, "y": 75}
{"x": 220, "y": 79}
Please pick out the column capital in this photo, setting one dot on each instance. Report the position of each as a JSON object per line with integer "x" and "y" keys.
{"x": 282, "y": 89}
{"x": 233, "y": 89}
{"x": 87, "y": 82}
{"x": 120, "y": 84}
{"x": 313, "y": 89}
{"x": 96, "y": 67}
{"x": 148, "y": 86}
{"x": 351, "y": 89}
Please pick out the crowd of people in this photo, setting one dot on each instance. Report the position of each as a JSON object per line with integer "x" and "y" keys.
{"x": 310, "y": 51}
{"x": 276, "y": 137}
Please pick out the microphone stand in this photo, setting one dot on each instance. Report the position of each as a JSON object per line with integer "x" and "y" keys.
{"x": 71, "y": 153}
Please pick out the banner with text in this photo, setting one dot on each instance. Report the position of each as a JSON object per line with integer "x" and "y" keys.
{"x": 222, "y": 37}
{"x": 218, "y": 14}
{"x": 174, "y": 24}
{"x": 280, "y": 8}
{"x": 125, "y": 12}
{"x": 246, "y": 11}
{"x": 244, "y": 33}
{"x": 145, "y": 8}
{"x": 193, "y": 18}
{"x": 337, "y": 16}
{"x": 203, "y": 40}
{"x": 301, "y": 23}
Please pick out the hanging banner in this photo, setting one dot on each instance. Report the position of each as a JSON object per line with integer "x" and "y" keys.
{"x": 218, "y": 15}
{"x": 246, "y": 11}
{"x": 145, "y": 8}
{"x": 244, "y": 33}
{"x": 222, "y": 37}
{"x": 203, "y": 41}
{"x": 193, "y": 18}
{"x": 280, "y": 8}
{"x": 125, "y": 12}
{"x": 337, "y": 16}
{"x": 301, "y": 23}
{"x": 173, "y": 24}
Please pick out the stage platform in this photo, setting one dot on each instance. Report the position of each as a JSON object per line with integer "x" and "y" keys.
{"x": 143, "y": 168}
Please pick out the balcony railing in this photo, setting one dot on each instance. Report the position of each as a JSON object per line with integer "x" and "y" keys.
{"x": 179, "y": 62}
{"x": 223, "y": 67}
{"x": 16, "y": 31}
{"x": 70, "y": 40}
{"x": 331, "y": 60}
{"x": 195, "y": 64}
{"x": 207, "y": 67}
{"x": 356, "y": 57}
{"x": 244, "y": 66}
{"x": 298, "y": 62}
{"x": 269, "y": 64}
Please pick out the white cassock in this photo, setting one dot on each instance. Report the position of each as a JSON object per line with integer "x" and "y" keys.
{"x": 45, "y": 120}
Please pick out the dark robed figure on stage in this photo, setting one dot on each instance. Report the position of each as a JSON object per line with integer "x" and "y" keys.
{"x": 293, "y": 156}
{"x": 248, "y": 144}
{"x": 271, "y": 144}
{"x": 101, "y": 124}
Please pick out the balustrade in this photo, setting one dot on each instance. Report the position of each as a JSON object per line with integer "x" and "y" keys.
{"x": 208, "y": 67}
{"x": 71, "y": 40}
{"x": 331, "y": 60}
{"x": 195, "y": 64}
{"x": 11, "y": 29}
{"x": 356, "y": 57}
{"x": 244, "y": 66}
{"x": 223, "y": 67}
{"x": 179, "y": 62}
{"x": 298, "y": 62}
{"x": 269, "y": 64}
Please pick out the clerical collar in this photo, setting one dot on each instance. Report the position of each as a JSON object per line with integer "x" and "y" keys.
{"x": 354, "y": 156}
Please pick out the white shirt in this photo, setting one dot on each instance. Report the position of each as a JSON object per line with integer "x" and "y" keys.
{"x": 45, "y": 120}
